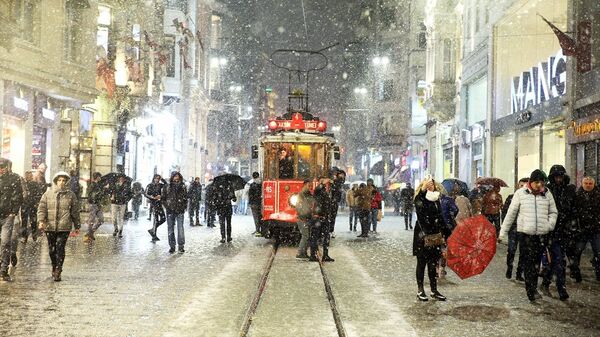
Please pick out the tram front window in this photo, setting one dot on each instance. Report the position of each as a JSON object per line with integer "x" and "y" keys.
{"x": 294, "y": 161}
{"x": 286, "y": 164}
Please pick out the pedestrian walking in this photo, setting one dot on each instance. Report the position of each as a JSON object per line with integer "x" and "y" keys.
{"x": 210, "y": 209}
{"x": 58, "y": 214}
{"x": 376, "y": 209}
{"x": 255, "y": 202}
{"x": 352, "y": 211}
{"x": 223, "y": 196}
{"x": 564, "y": 194}
{"x": 534, "y": 210}
{"x": 491, "y": 207}
{"x": 153, "y": 193}
{"x": 11, "y": 198}
{"x": 120, "y": 194}
{"x": 429, "y": 236}
{"x": 323, "y": 214}
{"x": 175, "y": 199}
{"x": 95, "y": 213}
{"x": 397, "y": 201}
{"x": 30, "y": 205}
{"x": 74, "y": 185}
{"x": 305, "y": 208}
{"x": 16, "y": 232}
{"x": 362, "y": 198}
{"x": 338, "y": 178}
{"x": 407, "y": 202}
{"x": 514, "y": 238}
{"x": 588, "y": 210}
{"x": 136, "y": 201}
{"x": 195, "y": 196}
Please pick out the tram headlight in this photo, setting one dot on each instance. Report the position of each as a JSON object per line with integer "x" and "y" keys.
{"x": 293, "y": 200}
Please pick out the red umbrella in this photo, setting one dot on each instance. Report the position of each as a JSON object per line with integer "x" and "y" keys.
{"x": 471, "y": 246}
{"x": 491, "y": 181}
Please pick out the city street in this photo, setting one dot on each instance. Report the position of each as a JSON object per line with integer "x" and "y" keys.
{"x": 132, "y": 287}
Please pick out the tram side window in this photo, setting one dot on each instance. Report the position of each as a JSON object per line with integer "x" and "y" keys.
{"x": 270, "y": 162}
{"x": 304, "y": 161}
{"x": 285, "y": 157}
{"x": 321, "y": 160}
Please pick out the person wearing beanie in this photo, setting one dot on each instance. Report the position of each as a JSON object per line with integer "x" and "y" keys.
{"x": 58, "y": 214}
{"x": 535, "y": 212}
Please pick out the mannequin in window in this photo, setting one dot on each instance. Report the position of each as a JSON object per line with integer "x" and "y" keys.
{"x": 286, "y": 165}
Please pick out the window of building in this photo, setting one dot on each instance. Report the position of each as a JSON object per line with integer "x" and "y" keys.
{"x": 176, "y": 4}
{"x": 504, "y": 160}
{"x": 447, "y": 66}
{"x": 73, "y": 35}
{"x": 26, "y": 13}
{"x": 476, "y": 17}
{"x": 104, "y": 22}
{"x": 215, "y": 31}
{"x": 388, "y": 18}
{"x": 487, "y": 13}
{"x": 422, "y": 38}
{"x": 477, "y": 101}
{"x": 170, "y": 46}
{"x": 448, "y": 163}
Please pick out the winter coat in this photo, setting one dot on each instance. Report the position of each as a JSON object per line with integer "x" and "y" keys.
{"x": 222, "y": 195}
{"x": 137, "y": 192}
{"x": 535, "y": 214}
{"x": 350, "y": 198}
{"x": 429, "y": 221}
{"x": 505, "y": 208}
{"x": 588, "y": 211}
{"x": 95, "y": 193}
{"x": 305, "y": 206}
{"x": 195, "y": 192}
{"x": 336, "y": 190}
{"x": 11, "y": 194}
{"x": 324, "y": 204}
{"x": 564, "y": 197}
{"x": 464, "y": 208}
{"x": 120, "y": 194}
{"x": 362, "y": 199}
{"x": 255, "y": 194}
{"x": 376, "y": 200}
{"x": 153, "y": 190}
{"x": 175, "y": 196}
{"x": 449, "y": 211}
{"x": 59, "y": 208}
{"x": 406, "y": 198}
{"x": 491, "y": 203}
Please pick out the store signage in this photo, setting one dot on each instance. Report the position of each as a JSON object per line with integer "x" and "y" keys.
{"x": 545, "y": 81}
{"x": 20, "y": 103}
{"x": 523, "y": 118}
{"x": 49, "y": 114}
{"x": 586, "y": 128}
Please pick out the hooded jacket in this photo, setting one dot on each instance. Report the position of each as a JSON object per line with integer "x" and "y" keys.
{"x": 535, "y": 214}
{"x": 59, "y": 207}
{"x": 175, "y": 195}
{"x": 564, "y": 197}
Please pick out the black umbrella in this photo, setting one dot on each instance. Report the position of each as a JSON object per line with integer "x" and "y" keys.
{"x": 237, "y": 182}
{"x": 378, "y": 168}
{"x": 112, "y": 178}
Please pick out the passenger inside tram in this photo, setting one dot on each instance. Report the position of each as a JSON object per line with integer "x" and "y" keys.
{"x": 286, "y": 164}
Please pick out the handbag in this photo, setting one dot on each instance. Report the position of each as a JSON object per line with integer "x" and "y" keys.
{"x": 433, "y": 240}
{"x": 379, "y": 215}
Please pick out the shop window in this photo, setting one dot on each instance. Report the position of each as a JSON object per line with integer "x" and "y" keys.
{"x": 448, "y": 163}
{"x": 504, "y": 160}
{"x": 477, "y": 101}
{"x": 553, "y": 143}
{"x": 26, "y": 13}
{"x": 528, "y": 147}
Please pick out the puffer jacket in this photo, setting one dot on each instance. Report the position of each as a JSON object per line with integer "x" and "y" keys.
{"x": 535, "y": 214}
{"x": 362, "y": 199}
{"x": 59, "y": 208}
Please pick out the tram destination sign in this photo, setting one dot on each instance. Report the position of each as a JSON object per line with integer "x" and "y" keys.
{"x": 297, "y": 123}
{"x": 540, "y": 83}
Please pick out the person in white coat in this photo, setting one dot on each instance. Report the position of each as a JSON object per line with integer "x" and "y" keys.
{"x": 535, "y": 211}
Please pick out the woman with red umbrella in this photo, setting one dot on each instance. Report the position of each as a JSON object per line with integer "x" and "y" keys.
{"x": 429, "y": 234}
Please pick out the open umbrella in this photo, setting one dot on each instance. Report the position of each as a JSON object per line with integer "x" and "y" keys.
{"x": 449, "y": 186}
{"x": 237, "y": 182}
{"x": 379, "y": 168}
{"x": 497, "y": 182}
{"x": 395, "y": 186}
{"x": 112, "y": 177}
{"x": 471, "y": 246}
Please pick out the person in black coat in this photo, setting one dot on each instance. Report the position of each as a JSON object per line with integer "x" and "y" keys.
{"x": 195, "y": 196}
{"x": 429, "y": 222}
{"x": 222, "y": 196}
{"x": 255, "y": 202}
{"x": 153, "y": 193}
{"x": 120, "y": 194}
{"x": 324, "y": 205}
{"x": 564, "y": 196}
{"x": 513, "y": 238}
{"x": 588, "y": 211}
{"x": 175, "y": 200}
{"x": 408, "y": 205}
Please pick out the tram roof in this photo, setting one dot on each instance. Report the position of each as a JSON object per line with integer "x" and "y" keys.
{"x": 297, "y": 137}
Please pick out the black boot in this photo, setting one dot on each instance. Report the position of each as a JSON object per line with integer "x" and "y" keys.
{"x": 509, "y": 272}
{"x": 421, "y": 295}
{"x": 436, "y": 295}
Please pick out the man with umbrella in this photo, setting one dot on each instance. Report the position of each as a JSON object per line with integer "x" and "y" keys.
{"x": 534, "y": 210}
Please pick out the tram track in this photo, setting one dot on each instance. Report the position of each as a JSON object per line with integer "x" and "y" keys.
{"x": 262, "y": 285}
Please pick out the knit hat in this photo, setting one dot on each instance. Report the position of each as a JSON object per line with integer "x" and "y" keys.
{"x": 4, "y": 162}
{"x": 537, "y": 175}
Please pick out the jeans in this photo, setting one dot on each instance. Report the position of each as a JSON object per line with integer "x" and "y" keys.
{"x": 136, "y": 209}
{"x": 29, "y": 216}
{"x": 363, "y": 216}
{"x": 118, "y": 216}
{"x": 7, "y": 224}
{"x": 14, "y": 236}
{"x": 257, "y": 215}
{"x": 56, "y": 247}
{"x": 194, "y": 209}
{"x": 225, "y": 214}
{"x": 513, "y": 244}
{"x": 594, "y": 240}
{"x": 95, "y": 218}
{"x": 304, "y": 228}
{"x": 532, "y": 247}
{"x": 243, "y": 207}
{"x": 373, "y": 218}
{"x": 173, "y": 218}
{"x": 319, "y": 229}
{"x": 557, "y": 267}
{"x": 353, "y": 217}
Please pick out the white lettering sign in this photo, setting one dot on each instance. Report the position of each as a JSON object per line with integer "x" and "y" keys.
{"x": 20, "y": 103}
{"x": 47, "y": 113}
{"x": 540, "y": 83}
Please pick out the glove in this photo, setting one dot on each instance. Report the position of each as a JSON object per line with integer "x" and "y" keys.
{"x": 234, "y": 199}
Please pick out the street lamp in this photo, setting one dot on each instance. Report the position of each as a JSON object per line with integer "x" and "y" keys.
{"x": 381, "y": 60}
{"x": 360, "y": 90}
